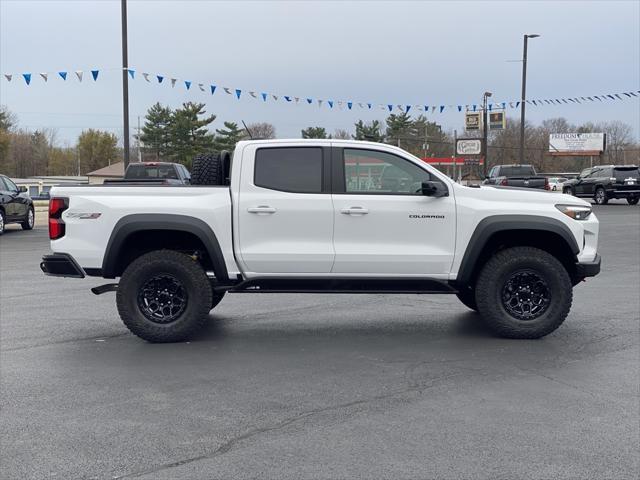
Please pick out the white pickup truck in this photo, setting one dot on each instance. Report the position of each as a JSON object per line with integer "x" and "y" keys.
{"x": 322, "y": 216}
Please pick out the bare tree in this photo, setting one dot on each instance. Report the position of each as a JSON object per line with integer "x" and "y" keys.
{"x": 341, "y": 134}
{"x": 262, "y": 130}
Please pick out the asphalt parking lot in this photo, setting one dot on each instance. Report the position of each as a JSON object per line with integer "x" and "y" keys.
{"x": 318, "y": 386}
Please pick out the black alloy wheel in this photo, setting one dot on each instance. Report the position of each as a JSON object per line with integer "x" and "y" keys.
{"x": 600, "y": 197}
{"x": 162, "y": 299}
{"x": 526, "y": 295}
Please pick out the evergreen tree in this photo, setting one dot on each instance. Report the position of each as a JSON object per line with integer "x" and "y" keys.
{"x": 188, "y": 133}
{"x": 369, "y": 131}
{"x": 398, "y": 127}
{"x": 314, "y": 132}
{"x": 227, "y": 137}
{"x": 155, "y": 135}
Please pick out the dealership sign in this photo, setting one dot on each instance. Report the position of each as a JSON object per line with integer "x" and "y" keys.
{"x": 472, "y": 121}
{"x": 469, "y": 146}
{"x": 577, "y": 143}
{"x": 497, "y": 120}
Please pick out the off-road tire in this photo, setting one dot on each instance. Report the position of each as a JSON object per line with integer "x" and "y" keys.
{"x": 633, "y": 200}
{"x": 211, "y": 169}
{"x": 467, "y": 296}
{"x": 492, "y": 281}
{"x": 195, "y": 283}
{"x": 600, "y": 196}
{"x": 3, "y": 222}
{"x": 28, "y": 224}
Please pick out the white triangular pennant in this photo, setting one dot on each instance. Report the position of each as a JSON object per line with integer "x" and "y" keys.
{"x": 297, "y": 99}
{"x": 253, "y": 94}
{"x": 201, "y": 86}
{"x": 275, "y": 97}
{"x": 173, "y": 82}
{"x": 146, "y": 76}
{"x": 227, "y": 90}
{"x": 8, "y": 76}
{"x": 45, "y": 76}
{"x": 79, "y": 75}
{"x": 319, "y": 103}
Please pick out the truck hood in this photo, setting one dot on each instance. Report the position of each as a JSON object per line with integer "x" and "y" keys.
{"x": 528, "y": 195}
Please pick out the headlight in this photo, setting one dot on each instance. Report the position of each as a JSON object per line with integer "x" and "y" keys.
{"x": 577, "y": 212}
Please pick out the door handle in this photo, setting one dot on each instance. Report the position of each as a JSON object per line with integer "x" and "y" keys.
{"x": 355, "y": 211}
{"x": 261, "y": 209}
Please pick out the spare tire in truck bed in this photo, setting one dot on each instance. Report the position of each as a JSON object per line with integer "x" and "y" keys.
{"x": 211, "y": 169}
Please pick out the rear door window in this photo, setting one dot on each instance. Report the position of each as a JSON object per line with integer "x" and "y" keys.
{"x": 293, "y": 169}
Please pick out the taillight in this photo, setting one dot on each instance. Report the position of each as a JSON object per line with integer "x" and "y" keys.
{"x": 57, "y": 205}
{"x": 546, "y": 184}
{"x": 504, "y": 182}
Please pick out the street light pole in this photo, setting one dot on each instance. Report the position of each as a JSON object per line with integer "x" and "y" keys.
{"x": 125, "y": 84}
{"x": 485, "y": 131}
{"x": 523, "y": 99}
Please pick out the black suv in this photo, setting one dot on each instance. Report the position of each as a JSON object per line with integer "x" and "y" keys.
{"x": 605, "y": 182}
{"x": 15, "y": 205}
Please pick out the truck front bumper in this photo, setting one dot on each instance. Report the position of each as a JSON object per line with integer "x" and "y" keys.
{"x": 61, "y": 265}
{"x": 588, "y": 269}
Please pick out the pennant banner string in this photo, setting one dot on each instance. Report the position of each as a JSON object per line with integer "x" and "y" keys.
{"x": 29, "y": 79}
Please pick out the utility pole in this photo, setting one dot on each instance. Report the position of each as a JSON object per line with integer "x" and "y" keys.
{"x": 125, "y": 84}
{"x": 523, "y": 99}
{"x": 485, "y": 131}
{"x": 454, "y": 153}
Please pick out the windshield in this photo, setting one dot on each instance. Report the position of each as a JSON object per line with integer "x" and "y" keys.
{"x": 516, "y": 171}
{"x": 624, "y": 173}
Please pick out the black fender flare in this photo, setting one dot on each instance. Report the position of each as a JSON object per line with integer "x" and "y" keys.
{"x": 154, "y": 221}
{"x": 489, "y": 226}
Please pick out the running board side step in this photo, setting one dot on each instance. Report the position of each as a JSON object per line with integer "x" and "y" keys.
{"x": 340, "y": 285}
{"x": 107, "y": 287}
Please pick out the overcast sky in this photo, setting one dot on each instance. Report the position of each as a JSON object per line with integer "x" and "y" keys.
{"x": 381, "y": 52}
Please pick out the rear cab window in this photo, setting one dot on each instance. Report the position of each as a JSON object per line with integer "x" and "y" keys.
{"x": 289, "y": 169}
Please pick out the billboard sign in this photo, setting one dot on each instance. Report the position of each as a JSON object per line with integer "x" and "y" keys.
{"x": 472, "y": 121}
{"x": 497, "y": 120}
{"x": 469, "y": 146}
{"x": 577, "y": 143}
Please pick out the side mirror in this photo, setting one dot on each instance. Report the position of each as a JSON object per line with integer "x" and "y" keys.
{"x": 22, "y": 189}
{"x": 434, "y": 189}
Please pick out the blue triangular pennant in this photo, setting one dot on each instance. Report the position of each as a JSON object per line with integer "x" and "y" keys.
{"x": 611, "y": 97}
{"x": 390, "y": 107}
{"x": 213, "y": 89}
{"x": 474, "y": 107}
{"x": 309, "y": 101}
{"x": 288, "y": 99}
{"x": 426, "y": 108}
{"x": 517, "y": 104}
{"x": 330, "y": 102}
{"x": 187, "y": 84}
{"x": 441, "y": 108}
{"x": 459, "y": 108}
{"x": 238, "y": 93}
{"x": 132, "y": 73}
{"x": 264, "y": 97}
{"x": 63, "y": 75}
{"x": 369, "y": 105}
{"x": 27, "y": 77}
{"x": 504, "y": 105}
{"x": 94, "y": 74}
{"x": 407, "y": 108}
{"x": 160, "y": 78}
{"x": 349, "y": 105}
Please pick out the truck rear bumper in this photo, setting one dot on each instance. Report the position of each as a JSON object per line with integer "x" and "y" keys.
{"x": 61, "y": 265}
{"x": 588, "y": 269}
